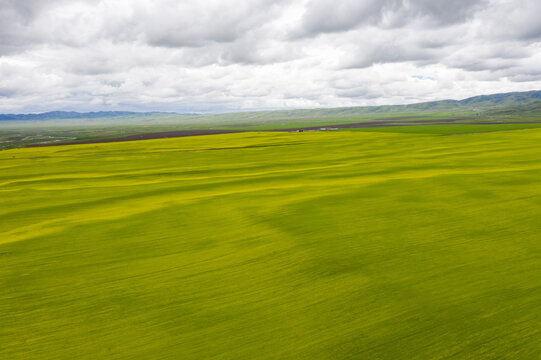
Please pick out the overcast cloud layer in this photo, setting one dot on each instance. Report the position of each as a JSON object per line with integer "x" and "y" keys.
{"x": 228, "y": 55}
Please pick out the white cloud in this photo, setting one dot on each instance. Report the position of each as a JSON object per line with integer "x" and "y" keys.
{"x": 217, "y": 55}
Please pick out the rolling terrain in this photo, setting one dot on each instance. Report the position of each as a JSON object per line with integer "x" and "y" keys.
{"x": 19, "y": 130}
{"x": 355, "y": 244}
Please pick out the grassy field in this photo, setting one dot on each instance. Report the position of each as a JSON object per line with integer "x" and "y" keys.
{"x": 453, "y": 129}
{"x": 320, "y": 245}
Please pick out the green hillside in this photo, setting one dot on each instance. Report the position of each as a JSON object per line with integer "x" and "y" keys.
{"x": 35, "y": 129}
{"x": 322, "y": 245}
{"x": 464, "y": 107}
{"x": 527, "y": 109}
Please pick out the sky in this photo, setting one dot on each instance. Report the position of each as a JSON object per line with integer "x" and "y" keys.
{"x": 216, "y": 56}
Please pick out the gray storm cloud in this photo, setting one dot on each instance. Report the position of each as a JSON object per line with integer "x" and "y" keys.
{"x": 259, "y": 54}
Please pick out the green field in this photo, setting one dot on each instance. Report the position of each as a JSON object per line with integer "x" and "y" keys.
{"x": 314, "y": 245}
{"x": 452, "y": 129}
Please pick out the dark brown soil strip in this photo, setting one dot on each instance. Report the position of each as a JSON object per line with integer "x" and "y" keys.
{"x": 148, "y": 136}
{"x": 402, "y": 117}
{"x": 379, "y": 123}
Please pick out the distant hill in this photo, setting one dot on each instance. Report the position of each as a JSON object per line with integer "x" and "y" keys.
{"x": 79, "y": 115}
{"x": 506, "y": 99}
{"x": 482, "y": 101}
{"x": 530, "y": 108}
{"x": 477, "y": 103}
{"x": 495, "y": 104}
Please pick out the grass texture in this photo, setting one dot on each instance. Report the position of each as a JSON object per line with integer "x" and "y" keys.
{"x": 452, "y": 129}
{"x": 323, "y": 245}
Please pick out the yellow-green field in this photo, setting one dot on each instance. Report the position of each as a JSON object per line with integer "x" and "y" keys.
{"x": 324, "y": 245}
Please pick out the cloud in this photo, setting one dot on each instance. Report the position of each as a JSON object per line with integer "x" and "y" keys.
{"x": 511, "y": 21}
{"x": 324, "y": 16}
{"x": 195, "y": 23}
{"x": 216, "y": 55}
{"x": 22, "y": 25}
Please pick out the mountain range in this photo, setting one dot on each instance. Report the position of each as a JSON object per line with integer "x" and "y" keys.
{"x": 495, "y": 103}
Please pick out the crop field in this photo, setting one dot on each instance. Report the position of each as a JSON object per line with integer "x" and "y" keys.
{"x": 452, "y": 129}
{"x": 271, "y": 245}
